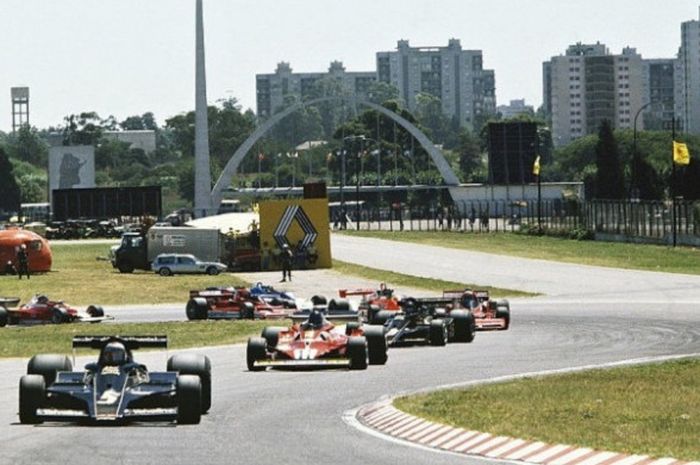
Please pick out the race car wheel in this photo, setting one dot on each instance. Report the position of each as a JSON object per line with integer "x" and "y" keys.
{"x": 319, "y": 300}
{"x": 165, "y": 272}
{"x": 381, "y": 317}
{"x": 194, "y": 364}
{"x": 197, "y": 309}
{"x": 47, "y": 365}
{"x": 256, "y": 350}
{"x": 95, "y": 311}
{"x": 189, "y": 400}
{"x": 338, "y": 305}
{"x": 464, "y": 325}
{"x": 212, "y": 271}
{"x": 271, "y": 335}
{"x": 3, "y": 317}
{"x": 438, "y": 333}
{"x": 357, "y": 352}
{"x": 376, "y": 344}
{"x": 352, "y": 326}
{"x": 32, "y": 392}
{"x": 503, "y": 311}
{"x": 58, "y": 316}
{"x": 247, "y": 311}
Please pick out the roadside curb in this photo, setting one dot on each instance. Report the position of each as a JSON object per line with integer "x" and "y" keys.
{"x": 383, "y": 418}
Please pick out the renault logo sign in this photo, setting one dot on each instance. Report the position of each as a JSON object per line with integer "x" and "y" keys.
{"x": 291, "y": 213}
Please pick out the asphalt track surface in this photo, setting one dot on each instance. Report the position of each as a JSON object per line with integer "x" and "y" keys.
{"x": 284, "y": 416}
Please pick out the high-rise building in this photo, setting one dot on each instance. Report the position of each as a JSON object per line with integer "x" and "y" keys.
{"x": 659, "y": 93}
{"x": 588, "y": 85}
{"x": 515, "y": 108}
{"x": 456, "y": 76}
{"x": 688, "y": 79}
{"x": 272, "y": 89}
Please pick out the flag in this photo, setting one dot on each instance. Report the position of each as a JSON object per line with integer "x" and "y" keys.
{"x": 681, "y": 155}
{"x": 295, "y": 155}
{"x": 261, "y": 156}
{"x": 329, "y": 157}
{"x": 536, "y": 166}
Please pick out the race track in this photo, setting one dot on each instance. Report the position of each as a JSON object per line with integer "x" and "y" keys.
{"x": 283, "y": 416}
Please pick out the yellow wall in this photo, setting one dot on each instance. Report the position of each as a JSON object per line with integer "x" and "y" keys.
{"x": 276, "y": 214}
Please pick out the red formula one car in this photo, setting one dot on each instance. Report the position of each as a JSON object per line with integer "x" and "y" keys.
{"x": 317, "y": 342}
{"x": 232, "y": 303}
{"x": 42, "y": 310}
{"x": 488, "y": 313}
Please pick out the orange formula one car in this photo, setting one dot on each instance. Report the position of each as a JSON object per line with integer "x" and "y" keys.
{"x": 488, "y": 313}
{"x": 373, "y": 300}
{"x": 316, "y": 342}
{"x": 232, "y": 303}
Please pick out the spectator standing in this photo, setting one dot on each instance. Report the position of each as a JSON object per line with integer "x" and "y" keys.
{"x": 22, "y": 261}
{"x": 287, "y": 258}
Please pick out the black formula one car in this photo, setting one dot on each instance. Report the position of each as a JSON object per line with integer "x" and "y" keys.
{"x": 423, "y": 321}
{"x": 115, "y": 388}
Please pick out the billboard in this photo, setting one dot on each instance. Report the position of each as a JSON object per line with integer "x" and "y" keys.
{"x": 512, "y": 151}
{"x": 106, "y": 202}
{"x": 297, "y": 223}
{"x": 71, "y": 167}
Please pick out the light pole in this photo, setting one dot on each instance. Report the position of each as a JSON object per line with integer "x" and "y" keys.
{"x": 634, "y": 190}
{"x": 362, "y": 140}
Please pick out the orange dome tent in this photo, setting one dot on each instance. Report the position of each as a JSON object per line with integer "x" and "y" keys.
{"x": 38, "y": 249}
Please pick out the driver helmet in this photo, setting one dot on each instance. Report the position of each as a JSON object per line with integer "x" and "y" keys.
{"x": 114, "y": 353}
{"x": 316, "y": 318}
{"x": 42, "y": 299}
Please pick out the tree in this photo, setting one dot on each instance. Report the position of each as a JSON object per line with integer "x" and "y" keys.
{"x": 27, "y": 145}
{"x": 429, "y": 113}
{"x": 469, "y": 155}
{"x": 139, "y": 123}
{"x": 610, "y": 183}
{"x": 82, "y": 129}
{"x": 379, "y": 92}
{"x": 9, "y": 190}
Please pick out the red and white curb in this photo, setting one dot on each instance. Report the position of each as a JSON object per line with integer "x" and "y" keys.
{"x": 385, "y": 419}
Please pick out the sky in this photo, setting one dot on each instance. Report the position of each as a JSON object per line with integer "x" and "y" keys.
{"x": 127, "y": 57}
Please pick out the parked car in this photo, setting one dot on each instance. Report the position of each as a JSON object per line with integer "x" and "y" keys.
{"x": 167, "y": 264}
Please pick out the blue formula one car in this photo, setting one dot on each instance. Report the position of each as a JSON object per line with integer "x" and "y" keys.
{"x": 273, "y": 296}
{"x": 115, "y": 388}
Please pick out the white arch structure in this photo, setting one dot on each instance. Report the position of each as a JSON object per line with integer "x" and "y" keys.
{"x": 232, "y": 166}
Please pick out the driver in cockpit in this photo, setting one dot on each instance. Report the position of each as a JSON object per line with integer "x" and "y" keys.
{"x": 316, "y": 320}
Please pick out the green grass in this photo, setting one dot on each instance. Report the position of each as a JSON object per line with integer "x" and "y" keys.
{"x": 80, "y": 279}
{"x": 610, "y": 254}
{"x": 404, "y": 280}
{"x": 27, "y": 341}
{"x": 651, "y": 409}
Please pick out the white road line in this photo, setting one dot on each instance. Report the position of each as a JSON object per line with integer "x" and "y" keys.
{"x": 598, "y": 458}
{"x": 571, "y": 456}
{"x": 547, "y": 453}
{"x": 664, "y": 461}
{"x": 472, "y": 442}
{"x": 510, "y": 445}
{"x": 520, "y": 453}
{"x": 632, "y": 459}
{"x": 488, "y": 445}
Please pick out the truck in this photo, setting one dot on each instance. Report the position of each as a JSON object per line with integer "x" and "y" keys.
{"x": 137, "y": 250}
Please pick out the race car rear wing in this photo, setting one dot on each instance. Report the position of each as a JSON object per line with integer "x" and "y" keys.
{"x": 131, "y": 342}
{"x": 434, "y": 301}
{"x": 9, "y": 301}
{"x": 343, "y": 293}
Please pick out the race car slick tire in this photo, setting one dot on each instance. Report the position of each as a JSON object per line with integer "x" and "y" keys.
{"x": 256, "y": 350}
{"x": 341, "y": 305}
{"x": 47, "y": 365}
{"x": 197, "y": 309}
{"x": 271, "y": 334}
{"x": 3, "y": 318}
{"x": 165, "y": 272}
{"x": 438, "y": 333}
{"x": 381, "y": 317}
{"x": 212, "y": 271}
{"x": 95, "y": 311}
{"x": 357, "y": 352}
{"x": 247, "y": 311}
{"x": 464, "y": 325}
{"x": 319, "y": 300}
{"x": 58, "y": 317}
{"x": 504, "y": 312}
{"x": 376, "y": 344}
{"x": 194, "y": 364}
{"x": 32, "y": 392}
{"x": 352, "y": 326}
{"x": 126, "y": 267}
{"x": 189, "y": 400}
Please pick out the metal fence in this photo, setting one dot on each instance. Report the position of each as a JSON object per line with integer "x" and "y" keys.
{"x": 640, "y": 219}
